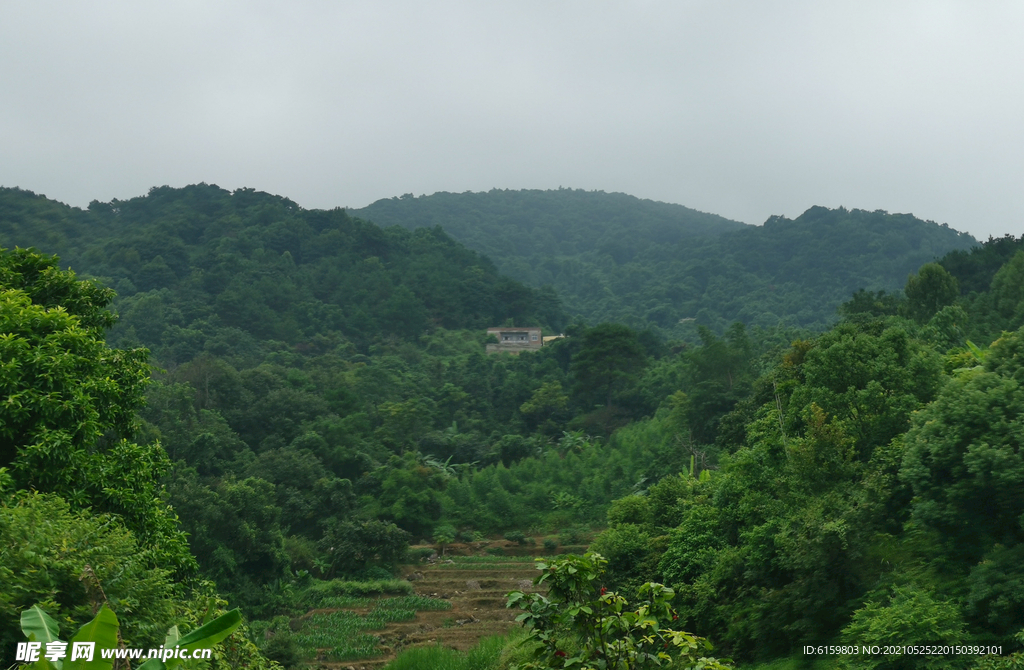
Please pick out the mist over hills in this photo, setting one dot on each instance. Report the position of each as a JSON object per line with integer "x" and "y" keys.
{"x": 613, "y": 257}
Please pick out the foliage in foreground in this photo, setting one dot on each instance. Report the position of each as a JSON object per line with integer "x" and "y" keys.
{"x": 82, "y": 521}
{"x": 104, "y": 633}
{"x": 48, "y": 553}
{"x": 69, "y": 406}
{"x": 579, "y": 625}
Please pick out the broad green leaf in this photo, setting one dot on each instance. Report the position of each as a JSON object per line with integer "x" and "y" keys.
{"x": 173, "y": 637}
{"x": 215, "y": 631}
{"x": 38, "y": 626}
{"x": 103, "y": 631}
{"x": 207, "y": 635}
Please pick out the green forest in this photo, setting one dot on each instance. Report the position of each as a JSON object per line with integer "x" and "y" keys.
{"x": 615, "y": 258}
{"x": 213, "y": 399}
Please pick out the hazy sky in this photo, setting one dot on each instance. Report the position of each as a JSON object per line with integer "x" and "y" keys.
{"x": 744, "y": 109}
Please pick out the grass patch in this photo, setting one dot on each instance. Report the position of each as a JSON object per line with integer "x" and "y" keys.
{"x": 340, "y": 602}
{"x": 428, "y": 658}
{"x": 487, "y": 655}
{"x": 343, "y": 636}
{"x": 338, "y": 636}
{"x": 418, "y": 603}
{"x": 490, "y": 559}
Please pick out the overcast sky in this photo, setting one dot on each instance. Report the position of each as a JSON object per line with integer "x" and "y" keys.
{"x": 744, "y": 109}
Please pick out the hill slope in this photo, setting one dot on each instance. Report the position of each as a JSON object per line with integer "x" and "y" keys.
{"x": 612, "y": 257}
{"x": 513, "y": 224}
{"x": 204, "y": 269}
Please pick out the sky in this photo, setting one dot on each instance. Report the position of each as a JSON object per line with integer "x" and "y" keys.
{"x": 744, "y": 109}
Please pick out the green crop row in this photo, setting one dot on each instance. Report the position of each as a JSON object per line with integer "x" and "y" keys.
{"x": 489, "y": 559}
{"x": 341, "y": 635}
{"x": 418, "y": 603}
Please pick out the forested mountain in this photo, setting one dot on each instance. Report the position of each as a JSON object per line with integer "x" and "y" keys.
{"x": 203, "y": 269}
{"x": 519, "y": 225}
{"x": 612, "y": 257}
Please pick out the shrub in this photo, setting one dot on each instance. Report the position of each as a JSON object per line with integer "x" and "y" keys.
{"x": 910, "y": 616}
{"x": 516, "y": 536}
{"x": 578, "y": 625}
{"x": 46, "y": 552}
{"x": 338, "y": 587}
{"x": 627, "y": 547}
{"x": 574, "y": 535}
{"x": 631, "y": 509}
{"x": 281, "y": 647}
{"x": 377, "y": 574}
{"x": 419, "y": 554}
{"x": 302, "y": 553}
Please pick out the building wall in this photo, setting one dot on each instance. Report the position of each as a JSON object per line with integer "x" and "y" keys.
{"x": 533, "y": 340}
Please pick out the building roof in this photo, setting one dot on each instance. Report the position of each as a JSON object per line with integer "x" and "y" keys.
{"x": 510, "y": 329}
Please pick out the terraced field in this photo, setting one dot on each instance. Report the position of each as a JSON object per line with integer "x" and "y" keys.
{"x": 475, "y": 585}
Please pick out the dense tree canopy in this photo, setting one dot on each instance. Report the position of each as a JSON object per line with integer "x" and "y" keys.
{"x": 82, "y": 518}
{"x": 875, "y": 489}
{"x": 204, "y": 270}
{"x": 612, "y": 257}
{"x": 68, "y": 402}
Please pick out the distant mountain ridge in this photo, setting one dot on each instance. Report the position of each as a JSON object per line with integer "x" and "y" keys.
{"x": 613, "y": 257}
{"x": 564, "y": 222}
